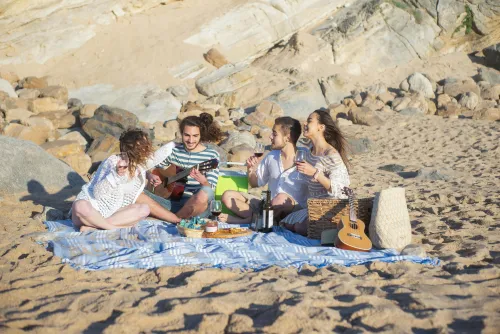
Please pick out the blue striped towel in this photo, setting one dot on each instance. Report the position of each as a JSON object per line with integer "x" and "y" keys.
{"x": 153, "y": 244}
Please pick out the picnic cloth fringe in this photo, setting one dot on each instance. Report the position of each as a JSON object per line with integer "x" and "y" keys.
{"x": 153, "y": 244}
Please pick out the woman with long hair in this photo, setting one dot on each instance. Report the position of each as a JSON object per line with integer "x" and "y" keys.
{"x": 324, "y": 166}
{"x": 108, "y": 200}
{"x": 199, "y": 189}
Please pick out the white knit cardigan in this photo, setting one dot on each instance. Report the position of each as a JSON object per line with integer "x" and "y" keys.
{"x": 108, "y": 192}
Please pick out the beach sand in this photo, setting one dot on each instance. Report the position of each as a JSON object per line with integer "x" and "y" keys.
{"x": 455, "y": 220}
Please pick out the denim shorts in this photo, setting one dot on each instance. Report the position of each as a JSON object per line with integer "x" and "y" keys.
{"x": 175, "y": 206}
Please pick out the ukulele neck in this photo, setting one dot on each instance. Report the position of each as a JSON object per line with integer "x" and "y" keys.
{"x": 352, "y": 211}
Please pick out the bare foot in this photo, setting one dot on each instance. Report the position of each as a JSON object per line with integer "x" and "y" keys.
{"x": 223, "y": 217}
{"x": 87, "y": 228}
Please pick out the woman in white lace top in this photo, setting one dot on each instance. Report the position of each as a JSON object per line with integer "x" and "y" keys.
{"x": 324, "y": 165}
{"x": 108, "y": 200}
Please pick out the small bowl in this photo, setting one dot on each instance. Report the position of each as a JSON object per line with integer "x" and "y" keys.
{"x": 189, "y": 232}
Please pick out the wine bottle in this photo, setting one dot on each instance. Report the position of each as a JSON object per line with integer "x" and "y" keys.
{"x": 267, "y": 214}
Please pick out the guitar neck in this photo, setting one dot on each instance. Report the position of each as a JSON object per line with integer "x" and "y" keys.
{"x": 352, "y": 211}
{"x": 181, "y": 175}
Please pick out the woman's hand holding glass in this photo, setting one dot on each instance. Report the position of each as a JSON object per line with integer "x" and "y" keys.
{"x": 305, "y": 168}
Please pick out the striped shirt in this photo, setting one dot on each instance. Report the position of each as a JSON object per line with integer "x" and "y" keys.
{"x": 184, "y": 159}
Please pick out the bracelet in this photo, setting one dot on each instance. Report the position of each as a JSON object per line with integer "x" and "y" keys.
{"x": 316, "y": 174}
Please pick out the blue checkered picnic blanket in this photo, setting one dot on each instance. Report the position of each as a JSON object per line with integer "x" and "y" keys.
{"x": 153, "y": 244}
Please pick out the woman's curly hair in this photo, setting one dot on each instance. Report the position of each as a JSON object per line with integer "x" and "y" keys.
{"x": 137, "y": 145}
{"x": 209, "y": 131}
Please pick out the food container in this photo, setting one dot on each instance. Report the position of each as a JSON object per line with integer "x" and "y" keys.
{"x": 212, "y": 226}
{"x": 189, "y": 232}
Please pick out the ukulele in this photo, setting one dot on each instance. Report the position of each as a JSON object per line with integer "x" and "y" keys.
{"x": 352, "y": 233}
{"x": 174, "y": 179}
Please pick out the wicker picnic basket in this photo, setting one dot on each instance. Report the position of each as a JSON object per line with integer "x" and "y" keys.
{"x": 325, "y": 213}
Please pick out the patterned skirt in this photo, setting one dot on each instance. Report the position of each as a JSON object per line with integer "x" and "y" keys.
{"x": 295, "y": 217}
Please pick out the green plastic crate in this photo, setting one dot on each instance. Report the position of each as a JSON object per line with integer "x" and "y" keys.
{"x": 230, "y": 180}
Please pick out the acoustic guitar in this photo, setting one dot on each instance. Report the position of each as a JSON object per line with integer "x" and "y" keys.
{"x": 352, "y": 233}
{"x": 174, "y": 179}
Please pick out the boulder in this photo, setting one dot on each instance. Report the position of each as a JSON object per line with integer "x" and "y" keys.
{"x": 443, "y": 99}
{"x": 468, "y": 100}
{"x": 338, "y": 110}
{"x": 492, "y": 56}
{"x": 240, "y": 153}
{"x": 75, "y": 136}
{"x": 166, "y": 133}
{"x": 215, "y": 58}
{"x": 62, "y": 148}
{"x": 194, "y": 109}
{"x": 364, "y": 116}
{"x": 27, "y": 93}
{"x": 386, "y": 97}
{"x": 180, "y": 92}
{"x": 226, "y": 79}
{"x": 490, "y": 75}
{"x": 11, "y": 77}
{"x": 18, "y": 115}
{"x": 411, "y": 111}
{"x": 270, "y": 108}
{"x": 33, "y": 82}
{"x": 63, "y": 119}
{"x": 26, "y": 133}
{"x": 6, "y": 87}
{"x": 448, "y": 13}
{"x": 449, "y": 110}
{"x": 390, "y": 221}
{"x": 418, "y": 83}
{"x": 300, "y": 100}
{"x": 80, "y": 162}
{"x": 416, "y": 101}
{"x": 431, "y": 174}
{"x": 109, "y": 121}
{"x": 334, "y": 89}
{"x": 455, "y": 87}
{"x": 259, "y": 118}
{"x": 238, "y": 138}
{"x": 488, "y": 114}
{"x": 489, "y": 92}
{"x": 59, "y": 93}
{"x": 46, "y": 178}
{"x": 46, "y": 104}
{"x": 106, "y": 144}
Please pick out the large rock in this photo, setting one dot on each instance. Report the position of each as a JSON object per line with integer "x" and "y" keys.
{"x": 6, "y": 87}
{"x": 304, "y": 56}
{"x": 75, "y": 136}
{"x": 80, "y": 162}
{"x": 454, "y": 87}
{"x": 62, "y": 119}
{"x": 228, "y": 78}
{"x": 492, "y": 56}
{"x": 448, "y": 12}
{"x": 469, "y": 100}
{"x": 258, "y": 25}
{"x": 215, "y": 58}
{"x": 300, "y": 100}
{"x": 46, "y": 104}
{"x": 57, "y": 92}
{"x": 110, "y": 121}
{"x": 18, "y": 115}
{"x": 46, "y": 178}
{"x": 238, "y": 138}
{"x": 418, "y": 83}
{"x": 103, "y": 146}
{"x": 62, "y": 148}
{"x": 376, "y": 35}
{"x": 364, "y": 116}
{"x": 334, "y": 89}
{"x": 33, "y": 82}
{"x": 148, "y": 102}
{"x": 488, "y": 114}
{"x": 490, "y": 75}
{"x": 28, "y": 133}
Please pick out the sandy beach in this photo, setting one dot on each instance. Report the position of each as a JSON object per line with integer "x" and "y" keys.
{"x": 455, "y": 221}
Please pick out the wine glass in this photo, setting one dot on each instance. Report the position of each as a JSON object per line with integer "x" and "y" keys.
{"x": 299, "y": 157}
{"x": 259, "y": 150}
{"x": 216, "y": 208}
{"x": 122, "y": 163}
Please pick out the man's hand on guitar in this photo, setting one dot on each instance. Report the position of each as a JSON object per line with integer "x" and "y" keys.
{"x": 198, "y": 176}
{"x": 154, "y": 180}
